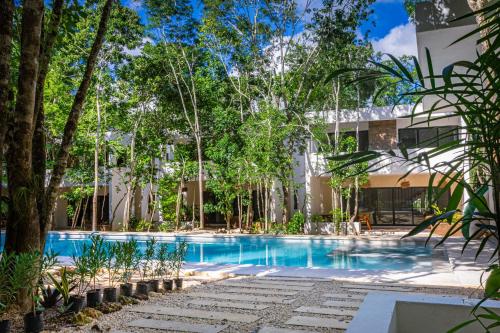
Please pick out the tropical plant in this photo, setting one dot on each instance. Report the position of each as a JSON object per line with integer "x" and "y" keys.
{"x": 468, "y": 90}
{"x": 178, "y": 257}
{"x": 96, "y": 257}
{"x": 81, "y": 272}
{"x": 146, "y": 261}
{"x": 7, "y": 291}
{"x": 25, "y": 275}
{"x": 162, "y": 260}
{"x": 128, "y": 256}
{"x": 64, "y": 286}
{"x": 296, "y": 224}
{"x": 112, "y": 262}
{"x": 50, "y": 295}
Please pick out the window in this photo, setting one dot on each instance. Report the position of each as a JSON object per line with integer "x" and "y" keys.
{"x": 363, "y": 138}
{"x": 427, "y": 137}
{"x": 408, "y": 137}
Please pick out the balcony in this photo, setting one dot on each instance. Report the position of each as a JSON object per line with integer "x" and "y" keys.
{"x": 316, "y": 163}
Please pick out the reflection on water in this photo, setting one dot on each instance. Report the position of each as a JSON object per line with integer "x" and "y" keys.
{"x": 283, "y": 252}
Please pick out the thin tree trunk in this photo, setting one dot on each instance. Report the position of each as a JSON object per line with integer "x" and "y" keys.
{"x": 200, "y": 182}
{"x": 249, "y": 208}
{"x": 72, "y": 122}
{"x": 76, "y": 214}
{"x": 285, "y": 210}
{"x": 6, "y": 17}
{"x": 23, "y": 232}
{"x": 96, "y": 162}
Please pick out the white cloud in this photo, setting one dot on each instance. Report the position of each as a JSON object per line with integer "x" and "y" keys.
{"x": 401, "y": 40}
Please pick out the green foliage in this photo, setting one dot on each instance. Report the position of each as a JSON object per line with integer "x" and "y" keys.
{"x": 163, "y": 257}
{"x": 146, "y": 264}
{"x": 296, "y": 224}
{"x": 127, "y": 259}
{"x": 64, "y": 286}
{"x": 177, "y": 257}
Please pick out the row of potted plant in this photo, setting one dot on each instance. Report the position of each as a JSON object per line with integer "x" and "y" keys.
{"x": 119, "y": 261}
{"x": 99, "y": 262}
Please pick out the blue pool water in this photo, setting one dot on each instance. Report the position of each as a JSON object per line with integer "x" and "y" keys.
{"x": 277, "y": 251}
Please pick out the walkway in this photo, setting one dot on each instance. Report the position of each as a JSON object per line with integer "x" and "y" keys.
{"x": 250, "y": 304}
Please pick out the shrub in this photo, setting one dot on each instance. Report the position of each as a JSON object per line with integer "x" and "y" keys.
{"x": 296, "y": 224}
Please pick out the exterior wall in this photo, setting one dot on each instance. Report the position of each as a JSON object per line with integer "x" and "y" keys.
{"x": 382, "y": 135}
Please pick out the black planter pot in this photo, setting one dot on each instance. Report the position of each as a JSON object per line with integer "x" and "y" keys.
{"x": 94, "y": 298}
{"x": 33, "y": 322}
{"x": 5, "y": 326}
{"x": 154, "y": 285}
{"x": 126, "y": 289}
{"x": 110, "y": 295}
{"x": 142, "y": 288}
{"x": 77, "y": 303}
{"x": 178, "y": 283}
{"x": 168, "y": 285}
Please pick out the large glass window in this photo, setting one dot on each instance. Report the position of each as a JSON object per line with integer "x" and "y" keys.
{"x": 396, "y": 205}
{"x": 427, "y": 137}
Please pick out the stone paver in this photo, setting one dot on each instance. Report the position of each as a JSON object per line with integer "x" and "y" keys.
{"x": 249, "y": 298}
{"x": 368, "y": 288}
{"x": 325, "y": 311}
{"x": 283, "y": 283}
{"x": 169, "y": 325}
{"x": 317, "y": 322}
{"x": 345, "y": 296}
{"x": 260, "y": 291}
{"x": 283, "y": 286}
{"x": 270, "y": 329}
{"x": 292, "y": 278}
{"x": 195, "y": 313}
{"x": 345, "y": 304}
{"x": 234, "y": 305}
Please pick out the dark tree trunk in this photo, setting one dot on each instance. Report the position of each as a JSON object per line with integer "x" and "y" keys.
{"x": 286, "y": 204}
{"x": 23, "y": 233}
{"x": 6, "y": 17}
{"x": 72, "y": 122}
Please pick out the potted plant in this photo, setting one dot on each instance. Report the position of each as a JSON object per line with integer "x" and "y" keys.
{"x": 177, "y": 262}
{"x": 80, "y": 273}
{"x": 126, "y": 258}
{"x": 163, "y": 266}
{"x": 64, "y": 288}
{"x": 112, "y": 268}
{"x": 149, "y": 265}
{"x": 27, "y": 269}
{"x": 96, "y": 258}
{"x": 7, "y": 292}
{"x": 50, "y": 296}
{"x": 142, "y": 287}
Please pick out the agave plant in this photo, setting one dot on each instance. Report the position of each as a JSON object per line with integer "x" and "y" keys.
{"x": 468, "y": 90}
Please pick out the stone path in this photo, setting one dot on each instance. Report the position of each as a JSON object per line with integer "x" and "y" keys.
{"x": 281, "y": 286}
{"x": 326, "y": 311}
{"x": 345, "y": 296}
{"x": 317, "y": 322}
{"x": 253, "y": 291}
{"x": 345, "y": 304}
{"x": 169, "y": 325}
{"x": 194, "y": 313}
{"x": 252, "y": 304}
{"x": 234, "y": 305}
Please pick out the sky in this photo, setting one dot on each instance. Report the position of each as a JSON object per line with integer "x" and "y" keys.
{"x": 393, "y": 32}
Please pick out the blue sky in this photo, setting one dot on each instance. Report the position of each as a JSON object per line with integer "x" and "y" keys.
{"x": 392, "y": 33}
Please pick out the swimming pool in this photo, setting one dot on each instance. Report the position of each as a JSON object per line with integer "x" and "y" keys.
{"x": 277, "y": 251}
